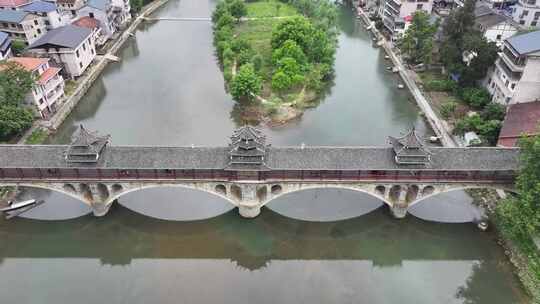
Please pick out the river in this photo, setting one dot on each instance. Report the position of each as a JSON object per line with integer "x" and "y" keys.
{"x": 319, "y": 246}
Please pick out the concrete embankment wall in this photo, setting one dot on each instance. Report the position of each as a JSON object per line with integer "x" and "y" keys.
{"x": 97, "y": 68}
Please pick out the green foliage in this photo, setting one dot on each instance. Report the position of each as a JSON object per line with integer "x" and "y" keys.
{"x": 281, "y": 81}
{"x": 225, "y": 20}
{"x": 418, "y": 39}
{"x": 315, "y": 76}
{"x": 15, "y": 83}
{"x": 448, "y": 108}
{"x": 136, "y": 5}
{"x": 488, "y": 130}
{"x": 13, "y": 121}
{"x": 519, "y": 217}
{"x": 440, "y": 85}
{"x": 476, "y": 97}
{"x": 238, "y": 9}
{"x": 37, "y": 137}
{"x": 245, "y": 83}
{"x": 245, "y": 56}
{"x": 494, "y": 111}
{"x": 239, "y": 44}
{"x": 228, "y": 54}
{"x": 17, "y": 47}
{"x": 257, "y": 60}
{"x": 289, "y": 49}
{"x": 460, "y": 35}
{"x": 297, "y": 29}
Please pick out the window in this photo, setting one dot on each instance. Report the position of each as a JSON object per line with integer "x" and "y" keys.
{"x": 525, "y": 13}
{"x": 489, "y": 80}
{"x": 499, "y": 37}
{"x": 35, "y": 22}
{"x": 522, "y": 22}
{"x": 47, "y": 22}
{"x": 513, "y": 86}
{"x": 507, "y": 99}
{"x": 38, "y": 31}
{"x": 77, "y": 53}
{"x": 536, "y": 15}
{"x": 91, "y": 15}
{"x": 534, "y": 23}
{"x": 92, "y": 50}
{"x": 506, "y": 83}
{"x": 419, "y": 6}
{"x": 80, "y": 64}
{"x": 84, "y": 46}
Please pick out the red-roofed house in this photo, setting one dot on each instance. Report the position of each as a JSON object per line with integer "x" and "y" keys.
{"x": 49, "y": 86}
{"x": 94, "y": 25}
{"x": 13, "y": 4}
{"x": 522, "y": 118}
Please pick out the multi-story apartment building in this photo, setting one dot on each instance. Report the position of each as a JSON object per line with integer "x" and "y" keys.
{"x": 5, "y": 46}
{"x": 527, "y": 13}
{"x": 516, "y": 75}
{"x": 495, "y": 27}
{"x": 397, "y": 14}
{"x": 49, "y": 87}
{"x": 48, "y": 11}
{"x": 101, "y": 10}
{"x": 21, "y": 25}
{"x": 71, "y": 46}
{"x": 70, "y": 7}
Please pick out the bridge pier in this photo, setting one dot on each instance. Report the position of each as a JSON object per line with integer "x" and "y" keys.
{"x": 249, "y": 211}
{"x": 100, "y": 209}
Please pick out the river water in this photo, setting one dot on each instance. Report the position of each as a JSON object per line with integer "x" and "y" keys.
{"x": 319, "y": 246}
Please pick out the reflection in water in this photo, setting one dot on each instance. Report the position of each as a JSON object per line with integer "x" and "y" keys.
{"x": 449, "y": 207}
{"x": 57, "y": 206}
{"x": 325, "y": 204}
{"x": 175, "y": 204}
{"x": 140, "y": 260}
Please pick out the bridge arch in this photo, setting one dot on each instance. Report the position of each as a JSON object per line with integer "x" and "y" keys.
{"x": 285, "y": 189}
{"x": 220, "y": 190}
{"x": 431, "y": 191}
{"x": 67, "y": 189}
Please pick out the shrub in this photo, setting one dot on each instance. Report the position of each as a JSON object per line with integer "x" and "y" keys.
{"x": 239, "y": 44}
{"x": 257, "y": 61}
{"x": 228, "y": 54}
{"x": 476, "y": 97}
{"x": 245, "y": 83}
{"x": 440, "y": 85}
{"x": 13, "y": 121}
{"x": 494, "y": 111}
{"x": 448, "y": 108}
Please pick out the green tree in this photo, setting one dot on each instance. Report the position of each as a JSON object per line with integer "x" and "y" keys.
{"x": 225, "y": 20}
{"x": 448, "y": 108}
{"x": 476, "y": 97}
{"x": 281, "y": 81}
{"x": 17, "y": 47}
{"x": 494, "y": 111}
{"x": 15, "y": 83}
{"x": 521, "y": 215}
{"x": 297, "y": 29}
{"x": 257, "y": 60}
{"x": 289, "y": 49}
{"x": 238, "y": 9}
{"x": 460, "y": 35}
{"x": 418, "y": 39}
{"x": 246, "y": 83}
{"x": 136, "y": 5}
{"x": 13, "y": 121}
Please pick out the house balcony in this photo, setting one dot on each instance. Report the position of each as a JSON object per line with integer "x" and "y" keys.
{"x": 54, "y": 95}
{"x": 511, "y": 64}
{"x": 502, "y": 88}
{"x": 511, "y": 75}
{"x": 53, "y": 83}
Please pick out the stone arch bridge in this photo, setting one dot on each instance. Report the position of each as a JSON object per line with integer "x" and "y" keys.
{"x": 249, "y": 173}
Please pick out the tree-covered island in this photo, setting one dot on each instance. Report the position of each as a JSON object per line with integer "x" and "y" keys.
{"x": 276, "y": 55}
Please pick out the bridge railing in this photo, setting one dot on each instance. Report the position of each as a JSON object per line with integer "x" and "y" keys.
{"x": 273, "y": 175}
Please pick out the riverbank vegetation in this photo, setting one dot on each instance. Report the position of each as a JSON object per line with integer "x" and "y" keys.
{"x": 276, "y": 55}
{"x": 15, "y": 117}
{"x": 454, "y": 90}
{"x": 518, "y": 217}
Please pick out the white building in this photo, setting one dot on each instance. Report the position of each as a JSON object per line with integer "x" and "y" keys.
{"x": 516, "y": 75}
{"x": 70, "y": 7}
{"x": 94, "y": 25}
{"x": 396, "y": 14}
{"x": 21, "y": 25}
{"x": 70, "y": 45}
{"x": 101, "y": 10}
{"x": 48, "y": 11}
{"x": 5, "y": 46}
{"x": 49, "y": 87}
{"x": 527, "y": 13}
{"x": 494, "y": 26}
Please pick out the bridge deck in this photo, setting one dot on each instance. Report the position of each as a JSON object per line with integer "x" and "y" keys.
{"x": 278, "y": 158}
